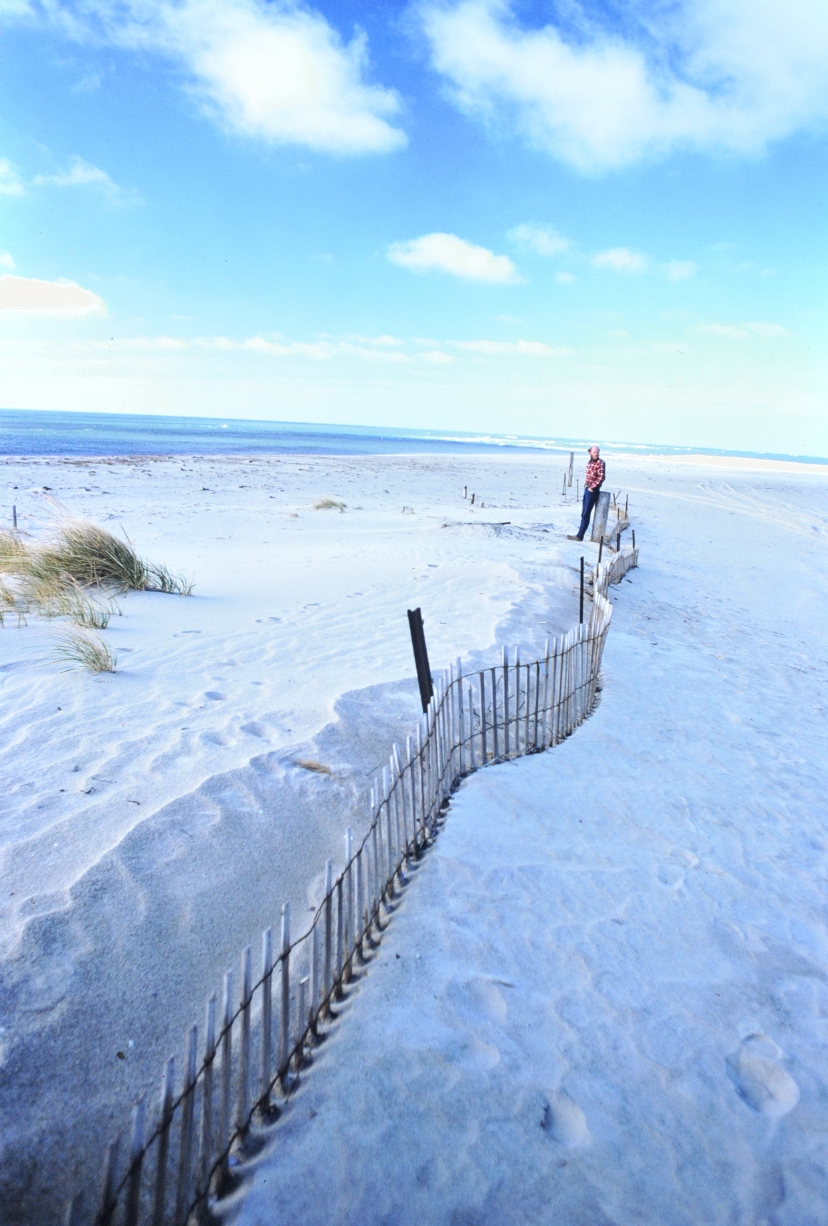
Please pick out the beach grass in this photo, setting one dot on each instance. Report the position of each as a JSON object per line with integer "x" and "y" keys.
{"x": 328, "y": 504}
{"x": 74, "y": 573}
{"x": 80, "y": 554}
{"x": 86, "y": 649}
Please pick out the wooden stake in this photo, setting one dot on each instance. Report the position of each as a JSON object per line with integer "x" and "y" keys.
{"x": 581, "y": 618}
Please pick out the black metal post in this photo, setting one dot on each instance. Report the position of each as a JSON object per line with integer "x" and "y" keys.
{"x": 415, "y": 623}
{"x": 582, "y": 590}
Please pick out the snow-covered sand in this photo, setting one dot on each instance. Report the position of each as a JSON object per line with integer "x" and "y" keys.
{"x": 604, "y": 997}
{"x": 154, "y": 820}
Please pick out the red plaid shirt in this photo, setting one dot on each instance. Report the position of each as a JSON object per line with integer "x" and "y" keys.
{"x": 595, "y": 473}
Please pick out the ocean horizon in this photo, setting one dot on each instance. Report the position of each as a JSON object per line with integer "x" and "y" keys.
{"x": 42, "y": 432}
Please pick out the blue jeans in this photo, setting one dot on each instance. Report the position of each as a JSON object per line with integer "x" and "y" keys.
{"x": 590, "y": 499}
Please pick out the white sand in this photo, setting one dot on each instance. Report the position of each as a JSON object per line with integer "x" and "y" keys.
{"x": 154, "y": 821}
{"x": 604, "y": 998}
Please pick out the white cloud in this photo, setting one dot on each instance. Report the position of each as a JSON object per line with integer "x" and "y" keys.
{"x": 533, "y": 349}
{"x": 34, "y": 297}
{"x": 621, "y": 259}
{"x": 540, "y": 239}
{"x": 680, "y": 270}
{"x": 83, "y": 174}
{"x": 437, "y": 358}
{"x": 453, "y": 255}
{"x": 564, "y": 278}
{"x": 320, "y": 351}
{"x": 10, "y": 184}
{"x": 706, "y": 74}
{"x": 767, "y": 330}
{"x": 6, "y": 259}
{"x": 273, "y": 70}
{"x": 742, "y": 331}
{"x": 727, "y": 330}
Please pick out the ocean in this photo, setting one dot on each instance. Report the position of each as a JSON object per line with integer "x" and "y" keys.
{"x": 36, "y": 432}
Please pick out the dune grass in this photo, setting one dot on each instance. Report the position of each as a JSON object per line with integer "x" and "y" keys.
{"x": 74, "y": 573}
{"x": 89, "y": 556}
{"x": 328, "y": 504}
{"x": 65, "y": 598}
{"x": 87, "y": 650}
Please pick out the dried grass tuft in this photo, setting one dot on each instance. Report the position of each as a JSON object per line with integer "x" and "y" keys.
{"x": 328, "y": 504}
{"x": 86, "y": 649}
{"x": 310, "y": 764}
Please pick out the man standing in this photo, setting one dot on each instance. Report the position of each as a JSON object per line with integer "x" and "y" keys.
{"x": 595, "y": 473}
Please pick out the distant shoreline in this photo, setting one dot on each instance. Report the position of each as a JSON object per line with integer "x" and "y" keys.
{"x": 32, "y": 433}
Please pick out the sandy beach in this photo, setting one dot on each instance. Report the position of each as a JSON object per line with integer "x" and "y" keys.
{"x": 603, "y": 996}
{"x": 155, "y": 819}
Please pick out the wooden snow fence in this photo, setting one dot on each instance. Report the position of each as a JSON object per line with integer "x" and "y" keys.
{"x": 185, "y": 1152}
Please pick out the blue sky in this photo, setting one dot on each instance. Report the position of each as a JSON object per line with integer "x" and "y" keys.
{"x": 561, "y": 219}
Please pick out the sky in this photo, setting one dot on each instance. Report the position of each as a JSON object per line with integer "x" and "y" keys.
{"x": 560, "y": 219}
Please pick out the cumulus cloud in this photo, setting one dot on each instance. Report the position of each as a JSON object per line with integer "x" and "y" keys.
{"x": 741, "y": 332}
{"x": 602, "y": 87}
{"x": 10, "y": 184}
{"x": 531, "y": 349}
{"x": 621, "y": 259}
{"x": 540, "y": 239}
{"x": 83, "y": 174}
{"x": 276, "y": 70}
{"x": 564, "y": 278}
{"x": 680, "y": 270}
{"x": 33, "y": 297}
{"x": 6, "y": 259}
{"x": 453, "y": 255}
{"x": 767, "y": 330}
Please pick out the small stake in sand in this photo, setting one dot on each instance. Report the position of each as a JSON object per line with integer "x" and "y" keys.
{"x": 14, "y": 518}
{"x": 581, "y": 618}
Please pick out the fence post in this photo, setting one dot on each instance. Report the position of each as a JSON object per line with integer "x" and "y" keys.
{"x": 182, "y": 1196}
{"x": 136, "y": 1158}
{"x": 313, "y": 1008}
{"x": 506, "y": 741}
{"x": 207, "y": 1098}
{"x": 284, "y": 1011}
{"x": 160, "y": 1198}
{"x": 242, "y": 1102}
{"x": 110, "y": 1183}
{"x": 267, "y": 1016}
{"x": 418, "y": 643}
{"x": 226, "y": 1076}
{"x": 483, "y": 752}
{"x": 326, "y": 975}
{"x": 349, "y": 902}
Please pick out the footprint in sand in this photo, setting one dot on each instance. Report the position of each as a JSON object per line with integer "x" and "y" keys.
{"x": 759, "y": 1077}
{"x": 564, "y": 1120}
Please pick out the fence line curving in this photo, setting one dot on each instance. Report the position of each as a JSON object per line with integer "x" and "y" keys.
{"x": 181, "y": 1161}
